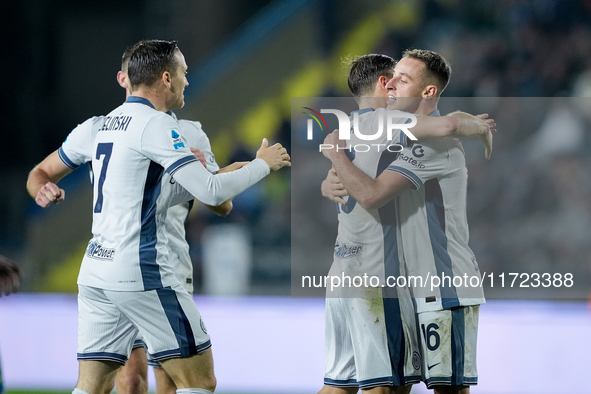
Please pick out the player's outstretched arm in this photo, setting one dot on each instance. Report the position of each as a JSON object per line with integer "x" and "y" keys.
{"x": 475, "y": 126}
{"x": 370, "y": 193}
{"x": 192, "y": 177}
{"x": 332, "y": 187}
{"x": 457, "y": 125}
{"x": 226, "y": 207}
{"x": 41, "y": 183}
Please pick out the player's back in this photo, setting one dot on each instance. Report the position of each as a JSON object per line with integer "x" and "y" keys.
{"x": 433, "y": 222}
{"x": 364, "y": 234}
{"x": 130, "y": 155}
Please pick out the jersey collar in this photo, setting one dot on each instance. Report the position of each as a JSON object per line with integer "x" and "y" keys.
{"x": 139, "y": 100}
{"x": 435, "y": 113}
{"x": 362, "y": 111}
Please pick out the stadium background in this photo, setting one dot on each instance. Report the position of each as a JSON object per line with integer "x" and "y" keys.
{"x": 528, "y": 207}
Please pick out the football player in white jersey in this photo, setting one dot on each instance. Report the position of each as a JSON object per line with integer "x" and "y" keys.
{"x": 126, "y": 286}
{"x": 431, "y": 227}
{"x": 132, "y": 377}
{"x": 10, "y": 275}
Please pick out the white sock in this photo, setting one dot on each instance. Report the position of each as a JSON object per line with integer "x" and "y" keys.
{"x": 188, "y": 391}
{"x": 78, "y": 391}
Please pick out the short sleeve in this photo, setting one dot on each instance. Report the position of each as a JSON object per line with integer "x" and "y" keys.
{"x": 196, "y": 138}
{"x": 421, "y": 162}
{"x": 163, "y": 143}
{"x": 77, "y": 148}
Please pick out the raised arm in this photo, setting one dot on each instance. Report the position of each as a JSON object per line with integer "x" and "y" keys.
{"x": 457, "y": 125}
{"x": 222, "y": 187}
{"x": 226, "y": 207}
{"x": 43, "y": 179}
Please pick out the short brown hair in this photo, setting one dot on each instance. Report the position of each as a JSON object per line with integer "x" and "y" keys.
{"x": 148, "y": 59}
{"x": 437, "y": 69}
{"x": 365, "y": 71}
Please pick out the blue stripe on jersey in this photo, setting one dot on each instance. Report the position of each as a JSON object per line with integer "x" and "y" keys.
{"x": 139, "y": 100}
{"x": 62, "y": 155}
{"x": 436, "y": 224}
{"x": 392, "y": 314}
{"x": 179, "y": 163}
{"x": 416, "y": 181}
{"x": 457, "y": 346}
{"x": 104, "y": 356}
{"x": 178, "y": 322}
{"x": 148, "y": 234}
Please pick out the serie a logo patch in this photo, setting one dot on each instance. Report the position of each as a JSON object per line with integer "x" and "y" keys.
{"x": 177, "y": 140}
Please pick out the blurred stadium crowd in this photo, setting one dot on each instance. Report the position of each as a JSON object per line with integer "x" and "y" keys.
{"x": 530, "y": 206}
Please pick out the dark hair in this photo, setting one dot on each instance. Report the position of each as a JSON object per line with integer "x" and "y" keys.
{"x": 365, "y": 72}
{"x": 127, "y": 55}
{"x": 148, "y": 59}
{"x": 437, "y": 69}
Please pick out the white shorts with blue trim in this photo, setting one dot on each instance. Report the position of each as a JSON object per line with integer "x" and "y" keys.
{"x": 371, "y": 342}
{"x": 448, "y": 341}
{"x": 167, "y": 319}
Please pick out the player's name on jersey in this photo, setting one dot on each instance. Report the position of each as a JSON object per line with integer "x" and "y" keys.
{"x": 116, "y": 123}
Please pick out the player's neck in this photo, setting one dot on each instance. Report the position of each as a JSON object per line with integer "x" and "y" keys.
{"x": 372, "y": 102}
{"x": 154, "y": 98}
{"x": 426, "y": 107}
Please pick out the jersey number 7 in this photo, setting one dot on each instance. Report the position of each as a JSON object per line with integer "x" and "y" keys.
{"x": 104, "y": 148}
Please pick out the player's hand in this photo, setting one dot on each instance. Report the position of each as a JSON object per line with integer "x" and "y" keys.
{"x": 329, "y": 148}
{"x": 49, "y": 193}
{"x": 199, "y": 155}
{"x": 487, "y": 137}
{"x": 10, "y": 275}
{"x": 481, "y": 126}
{"x": 332, "y": 187}
{"x": 276, "y": 156}
{"x": 233, "y": 167}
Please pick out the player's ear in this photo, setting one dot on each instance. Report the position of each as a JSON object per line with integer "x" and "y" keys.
{"x": 122, "y": 79}
{"x": 430, "y": 91}
{"x": 166, "y": 79}
{"x": 380, "y": 85}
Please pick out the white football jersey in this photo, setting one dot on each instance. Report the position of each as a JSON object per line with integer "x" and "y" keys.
{"x": 367, "y": 239}
{"x": 178, "y": 248}
{"x": 433, "y": 225}
{"x": 130, "y": 153}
